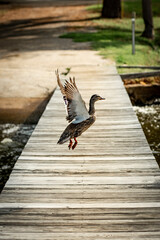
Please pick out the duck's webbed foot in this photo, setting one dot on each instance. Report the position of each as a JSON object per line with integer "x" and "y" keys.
{"x": 70, "y": 144}
{"x": 75, "y": 144}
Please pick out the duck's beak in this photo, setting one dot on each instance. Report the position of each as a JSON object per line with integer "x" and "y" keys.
{"x": 101, "y": 98}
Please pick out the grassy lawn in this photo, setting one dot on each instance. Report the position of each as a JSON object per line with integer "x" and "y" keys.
{"x": 113, "y": 36}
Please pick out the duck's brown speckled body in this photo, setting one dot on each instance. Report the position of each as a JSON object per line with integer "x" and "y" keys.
{"x": 77, "y": 112}
{"x": 75, "y": 130}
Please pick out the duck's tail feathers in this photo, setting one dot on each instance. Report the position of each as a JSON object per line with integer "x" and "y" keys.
{"x": 63, "y": 140}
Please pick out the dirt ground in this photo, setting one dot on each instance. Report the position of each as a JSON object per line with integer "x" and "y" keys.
{"x": 39, "y": 24}
{"x": 29, "y": 51}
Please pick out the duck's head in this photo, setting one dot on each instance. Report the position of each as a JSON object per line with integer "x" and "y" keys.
{"x": 96, "y": 97}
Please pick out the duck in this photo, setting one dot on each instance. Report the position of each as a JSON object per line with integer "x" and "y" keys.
{"x": 78, "y": 116}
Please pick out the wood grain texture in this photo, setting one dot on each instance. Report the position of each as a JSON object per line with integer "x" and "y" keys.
{"x": 107, "y": 188}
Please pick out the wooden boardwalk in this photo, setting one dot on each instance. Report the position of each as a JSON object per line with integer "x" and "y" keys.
{"x": 107, "y": 188}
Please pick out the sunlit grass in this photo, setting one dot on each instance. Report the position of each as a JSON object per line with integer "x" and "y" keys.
{"x": 113, "y": 38}
{"x": 115, "y": 42}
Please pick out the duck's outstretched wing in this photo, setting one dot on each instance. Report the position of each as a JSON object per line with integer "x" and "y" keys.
{"x": 76, "y": 107}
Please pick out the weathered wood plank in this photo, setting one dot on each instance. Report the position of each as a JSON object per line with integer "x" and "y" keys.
{"x": 107, "y": 188}
{"x": 88, "y": 236}
{"x": 90, "y": 205}
{"x": 78, "y": 235}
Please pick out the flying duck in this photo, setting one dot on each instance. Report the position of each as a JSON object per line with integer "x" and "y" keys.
{"x": 79, "y": 117}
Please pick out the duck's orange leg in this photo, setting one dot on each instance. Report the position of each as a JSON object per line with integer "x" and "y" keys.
{"x": 70, "y": 144}
{"x": 75, "y": 144}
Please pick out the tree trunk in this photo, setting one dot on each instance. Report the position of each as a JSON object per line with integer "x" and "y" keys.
{"x": 147, "y": 17}
{"x": 111, "y": 9}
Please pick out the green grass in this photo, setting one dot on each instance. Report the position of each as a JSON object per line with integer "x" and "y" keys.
{"x": 115, "y": 44}
{"x": 113, "y": 38}
{"x": 129, "y": 6}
